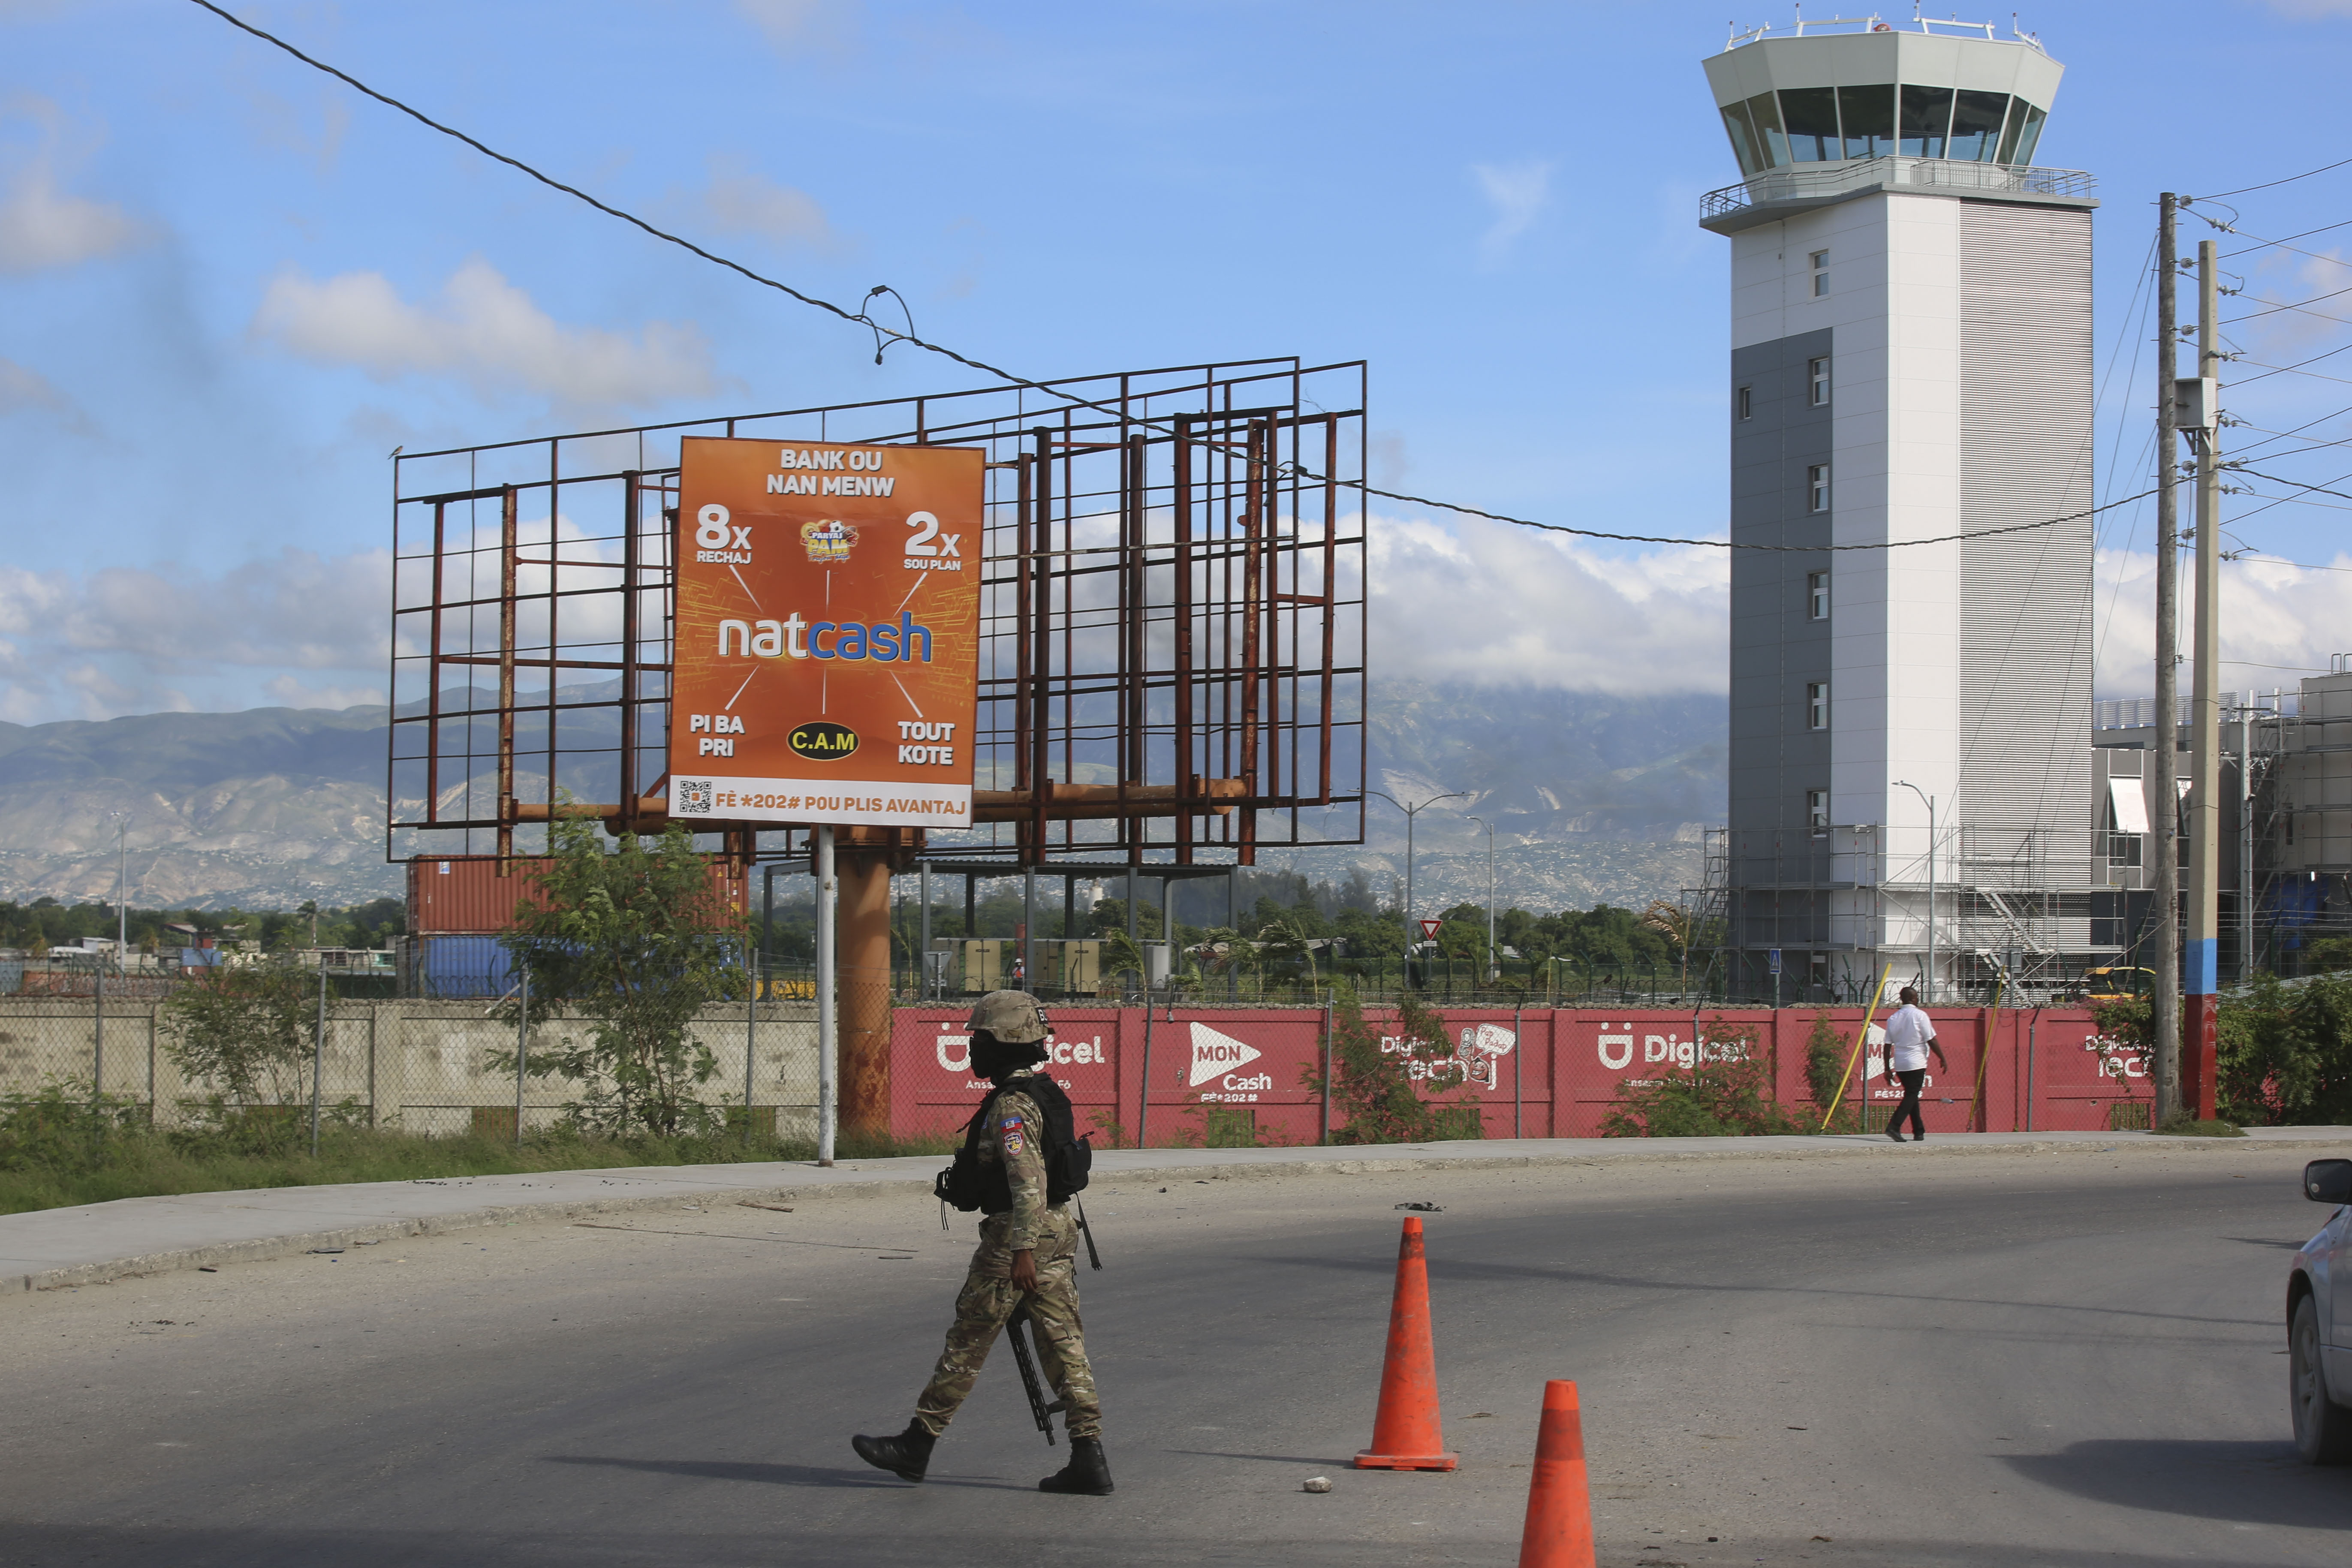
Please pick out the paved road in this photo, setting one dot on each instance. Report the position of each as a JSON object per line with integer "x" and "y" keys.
{"x": 2051, "y": 1359}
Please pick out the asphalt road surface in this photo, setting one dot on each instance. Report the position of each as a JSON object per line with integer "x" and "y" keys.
{"x": 2054, "y": 1360}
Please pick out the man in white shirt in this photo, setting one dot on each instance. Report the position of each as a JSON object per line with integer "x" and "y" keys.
{"x": 1909, "y": 1037}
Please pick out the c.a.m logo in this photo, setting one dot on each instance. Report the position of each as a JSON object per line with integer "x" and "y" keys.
{"x": 823, "y": 743}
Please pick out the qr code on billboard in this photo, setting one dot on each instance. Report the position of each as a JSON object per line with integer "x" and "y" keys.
{"x": 692, "y": 797}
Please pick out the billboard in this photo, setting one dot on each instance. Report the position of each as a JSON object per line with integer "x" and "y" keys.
{"x": 826, "y": 647}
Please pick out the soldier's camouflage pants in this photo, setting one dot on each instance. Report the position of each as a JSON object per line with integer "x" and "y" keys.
{"x": 987, "y": 1300}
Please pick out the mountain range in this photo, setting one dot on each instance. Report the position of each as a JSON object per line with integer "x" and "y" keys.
{"x": 1593, "y": 799}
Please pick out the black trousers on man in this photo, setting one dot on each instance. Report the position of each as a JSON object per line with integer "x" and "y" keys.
{"x": 1912, "y": 1079}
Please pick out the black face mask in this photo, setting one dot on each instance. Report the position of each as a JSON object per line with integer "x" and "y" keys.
{"x": 995, "y": 1060}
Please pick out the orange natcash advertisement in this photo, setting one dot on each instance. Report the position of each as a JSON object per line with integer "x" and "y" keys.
{"x": 827, "y": 642}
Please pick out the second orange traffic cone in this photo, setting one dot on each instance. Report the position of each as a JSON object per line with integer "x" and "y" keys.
{"x": 1406, "y": 1432}
{"x": 1559, "y": 1532}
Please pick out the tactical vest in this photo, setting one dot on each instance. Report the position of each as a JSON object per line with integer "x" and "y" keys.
{"x": 969, "y": 1184}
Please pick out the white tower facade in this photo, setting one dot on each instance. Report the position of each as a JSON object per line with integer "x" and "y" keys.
{"x": 1911, "y": 359}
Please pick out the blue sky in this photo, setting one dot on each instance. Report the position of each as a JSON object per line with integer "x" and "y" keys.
{"x": 230, "y": 286}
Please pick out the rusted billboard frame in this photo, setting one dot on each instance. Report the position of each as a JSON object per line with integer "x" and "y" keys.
{"x": 1227, "y": 764}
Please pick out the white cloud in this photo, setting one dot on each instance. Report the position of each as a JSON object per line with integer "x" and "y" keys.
{"x": 1518, "y": 192}
{"x": 24, "y": 389}
{"x": 43, "y": 226}
{"x": 484, "y": 330}
{"x": 796, "y": 25}
{"x": 129, "y": 640}
{"x": 737, "y": 201}
{"x": 1500, "y": 605}
{"x": 2279, "y": 623}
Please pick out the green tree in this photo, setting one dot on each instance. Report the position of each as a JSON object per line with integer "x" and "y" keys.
{"x": 1827, "y": 1051}
{"x": 1372, "y": 1087}
{"x": 635, "y": 944}
{"x": 244, "y": 1030}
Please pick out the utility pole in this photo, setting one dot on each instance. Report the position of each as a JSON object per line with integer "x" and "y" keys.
{"x": 1494, "y": 962}
{"x": 2201, "y": 978}
{"x": 2165, "y": 1006}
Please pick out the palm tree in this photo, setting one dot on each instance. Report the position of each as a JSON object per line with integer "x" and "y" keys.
{"x": 1678, "y": 926}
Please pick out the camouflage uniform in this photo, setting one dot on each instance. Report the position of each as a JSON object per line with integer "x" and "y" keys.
{"x": 1015, "y": 1138}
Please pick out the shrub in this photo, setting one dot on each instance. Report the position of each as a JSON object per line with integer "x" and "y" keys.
{"x": 1726, "y": 1092}
{"x": 2285, "y": 1052}
{"x": 1826, "y": 1070}
{"x": 1373, "y": 1087}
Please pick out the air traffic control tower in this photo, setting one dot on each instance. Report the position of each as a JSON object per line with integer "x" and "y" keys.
{"x": 1910, "y": 360}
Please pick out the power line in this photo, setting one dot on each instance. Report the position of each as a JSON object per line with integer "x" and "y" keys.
{"x": 2298, "y": 484}
{"x": 881, "y": 333}
{"x": 2265, "y": 185}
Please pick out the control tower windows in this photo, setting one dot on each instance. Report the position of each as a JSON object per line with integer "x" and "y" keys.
{"x": 1820, "y": 259}
{"x": 2024, "y": 130}
{"x": 1817, "y": 705}
{"x": 1866, "y": 115}
{"x": 1926, "y": 120}
{"x": 1817, "y": 595}
{"x": 1817, "y": 487}
{"x": 1817, "y": 373}
{"x": 1745, "y": 402}
{"x": 1812, "y": 116}
{"x": 1976, "y": 126}
{"x": 1833, "y": 124}
{"x": 1742, "y": 133}
{"x": 1817, "y": 810}
{"x": 1771, "y": 141}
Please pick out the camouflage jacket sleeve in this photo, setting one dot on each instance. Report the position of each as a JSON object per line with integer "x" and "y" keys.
{"x": 1019, "y": 1132}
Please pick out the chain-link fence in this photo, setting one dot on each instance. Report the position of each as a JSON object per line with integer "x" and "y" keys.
{"x": 420, "y": 1066}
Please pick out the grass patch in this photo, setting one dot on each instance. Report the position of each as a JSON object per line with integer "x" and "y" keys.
{"x": 56, "y": 1150}
{"x": 2187, "y": 1126}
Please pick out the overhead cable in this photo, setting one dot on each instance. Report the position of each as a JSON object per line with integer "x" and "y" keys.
{"x": 2268, "y": 184}
{"x": 883, "y": 333}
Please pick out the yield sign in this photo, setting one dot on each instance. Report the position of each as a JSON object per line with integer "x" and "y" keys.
{"x": 1429, "y": 928}
{"x": 1214, "y": 1054}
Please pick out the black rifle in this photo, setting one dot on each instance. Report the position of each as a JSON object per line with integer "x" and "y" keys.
{"x": 1093, "y": 1258}
{"x": 1015, "y": 1329}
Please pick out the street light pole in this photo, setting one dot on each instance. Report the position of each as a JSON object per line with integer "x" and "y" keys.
{"x": 1410, "y": 812}
{"x": 1930, "y": 998}
{"x": 1494, "y": 965}
{"x": 121, "y": 886}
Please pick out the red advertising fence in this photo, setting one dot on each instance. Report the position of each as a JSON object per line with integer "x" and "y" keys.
{"x": 1226, "y": 1075}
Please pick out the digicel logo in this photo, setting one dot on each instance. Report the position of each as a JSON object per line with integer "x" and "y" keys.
{"x": 1214, "y": 1055}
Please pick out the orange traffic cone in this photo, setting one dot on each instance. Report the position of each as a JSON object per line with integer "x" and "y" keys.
{"x": 1406, "y": 1432}
{"x": 1558, "y": 1533}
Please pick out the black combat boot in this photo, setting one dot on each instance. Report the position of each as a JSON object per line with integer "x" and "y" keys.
{"x": 906, "y": 1456}
{"x": 1088, "y": 1473}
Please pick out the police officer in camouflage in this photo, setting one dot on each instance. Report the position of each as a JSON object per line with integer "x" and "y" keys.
{"x": 1027, "y": 1256}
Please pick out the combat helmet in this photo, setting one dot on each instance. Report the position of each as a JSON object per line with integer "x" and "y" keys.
{"x": 1014, "y": 1018}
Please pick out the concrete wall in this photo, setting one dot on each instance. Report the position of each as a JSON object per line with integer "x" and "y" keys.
{"x": 421, "y": 1066}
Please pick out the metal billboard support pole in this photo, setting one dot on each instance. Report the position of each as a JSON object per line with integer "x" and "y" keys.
{"x": 522, "y": 1044}
{"x": 750, "y": 1031}
{"x": 827, "y": 1090}
{"x": 926, "y": 988}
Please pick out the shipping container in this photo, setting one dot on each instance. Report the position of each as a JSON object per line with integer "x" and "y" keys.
{"x": 465, "y": 895}
{"x": 447, "y": 966}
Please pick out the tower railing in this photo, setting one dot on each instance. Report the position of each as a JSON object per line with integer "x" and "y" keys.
{"x": 1818, "y": 182}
